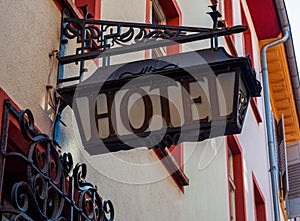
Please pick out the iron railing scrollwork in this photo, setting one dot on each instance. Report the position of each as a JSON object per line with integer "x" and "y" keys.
{"x": 51, "y": 188}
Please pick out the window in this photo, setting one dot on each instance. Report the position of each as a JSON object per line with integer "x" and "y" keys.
{"x": 164, "y": 12}
{"x": 72, "y": 5}
{"x": 246, "y": 36}
{"x": 231, "y": 185}
{"x": 94, "y": 6}
{"x": 248, "y": 50}
{"x": 260, "y": 207}
{"x": 226, "y": 10}
{"x": 158, "y": 17}
{"x": 235, "y": 170}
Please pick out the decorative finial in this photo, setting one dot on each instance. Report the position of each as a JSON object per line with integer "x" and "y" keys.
{"x": 215, "y": 14}
{"x": 86, "y": 14}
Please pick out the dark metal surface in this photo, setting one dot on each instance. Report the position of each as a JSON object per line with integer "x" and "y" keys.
{"x": 50, "y": 188}
{"x": 114, "y": 78}
{"x": 98, "y": 38}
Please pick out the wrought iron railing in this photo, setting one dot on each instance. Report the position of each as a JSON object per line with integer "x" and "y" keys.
{"x": 47, "y": 187}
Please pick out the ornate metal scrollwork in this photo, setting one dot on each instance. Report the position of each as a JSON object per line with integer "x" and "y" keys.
{"x": 242, "y": 107}
{"x": 110, "y": 34}
{"x": 50, "y": 188}
{"x": 148, "y": 69}
{"x": 99, "y": 38}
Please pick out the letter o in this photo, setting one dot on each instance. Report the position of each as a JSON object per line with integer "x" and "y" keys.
{"x": 124, "y": 110}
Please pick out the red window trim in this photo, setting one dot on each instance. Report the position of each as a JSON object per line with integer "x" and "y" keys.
{"x": 172, "y": 166}
{"x": 247, "y": 35}
{"x": 249, "y": 50}
{"x": 228, "y": 15}
{"x": 254, "y": 107}
{"x": 13, "y": 131}
{"x": 259, "y": 200}
{"x": 147, "y": 21}
{"x": 15, "y": 171}
{"x": 240, "y": 203}
{"x": 61, "y": 4}
{"x": 228, "y": 12}
{"x": 230, "y": 43}
{"x": 174, "y": 18}
{"x": 94, "y": 7}
{"x": 171, "y": 9}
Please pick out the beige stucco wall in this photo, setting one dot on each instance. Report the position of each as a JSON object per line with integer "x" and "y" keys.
{"x": 135, "y": 181}
{"x": 142, "y": 189}
{"x": 124, "y": 11}
{"x": 29, "y": 32}
{"x": 194, "y": 14}
{"x": 252, "y": 138}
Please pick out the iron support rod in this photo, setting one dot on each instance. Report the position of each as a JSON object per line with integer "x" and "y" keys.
{"x": 269, "y": 124}
{"x": 152, "y": 43}
{"x": 137, "y": 25}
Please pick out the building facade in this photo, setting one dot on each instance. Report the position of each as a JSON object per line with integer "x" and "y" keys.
{"x": 219, "y": 178}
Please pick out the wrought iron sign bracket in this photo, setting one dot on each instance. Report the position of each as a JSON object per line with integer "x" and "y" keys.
{"x": 101, "y": 39}
{"x": 221, "y": 79}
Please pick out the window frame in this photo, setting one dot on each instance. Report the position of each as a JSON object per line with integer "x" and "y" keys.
{"x": 247, "y": 36}
{"x": 259, "y": 201}
{"x": 231, "y": 184}
{"x": 248, "y": 49}
{"x": 72, "y": 6}
{"x": 94, "y": 7}
{"x": 173, "y": 18}
{"x": 235, "y": 147}
{"x": 157, "y": 16}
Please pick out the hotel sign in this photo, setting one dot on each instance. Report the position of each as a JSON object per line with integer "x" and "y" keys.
{"x": 156, "y": 103}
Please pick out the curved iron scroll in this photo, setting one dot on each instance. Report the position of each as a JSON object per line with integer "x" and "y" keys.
{"x": 95, "y": 37}
{"x": 51, "y": 188}
{"x": 99, "y": 35}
